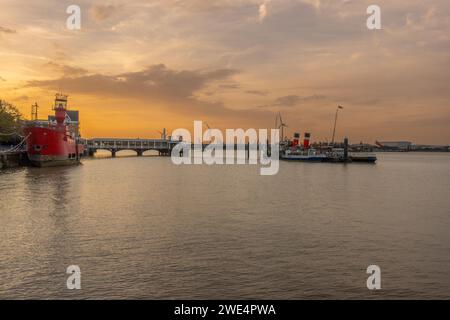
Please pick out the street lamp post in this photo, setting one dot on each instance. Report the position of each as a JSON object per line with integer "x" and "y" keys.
{"x": 335, "y": 122}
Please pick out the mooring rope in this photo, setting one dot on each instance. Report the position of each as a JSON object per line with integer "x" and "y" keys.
{"x": 10, "y": 134}
{"x": 16, "y": 147}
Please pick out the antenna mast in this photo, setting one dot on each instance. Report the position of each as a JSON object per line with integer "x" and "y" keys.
{"x": 34, "y": 111}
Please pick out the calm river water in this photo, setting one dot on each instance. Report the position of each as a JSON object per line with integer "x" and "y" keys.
{"x": 145, "y": 228}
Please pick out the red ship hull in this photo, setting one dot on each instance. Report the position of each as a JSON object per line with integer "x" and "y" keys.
{"x": 52, "y": 146}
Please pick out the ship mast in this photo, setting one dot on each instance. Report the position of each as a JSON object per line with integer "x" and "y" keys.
{"x": 34, "y": 111}
{"x": 60, "y": 107}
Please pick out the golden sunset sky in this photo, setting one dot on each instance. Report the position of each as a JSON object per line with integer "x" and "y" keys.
{"x": 137, "y": 66}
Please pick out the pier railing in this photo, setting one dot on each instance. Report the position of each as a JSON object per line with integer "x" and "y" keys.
{"x": 138, "y": 145}
{"x": 163, "y": 146}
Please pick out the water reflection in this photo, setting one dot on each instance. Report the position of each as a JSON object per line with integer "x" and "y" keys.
{"x": 144, "y": 228}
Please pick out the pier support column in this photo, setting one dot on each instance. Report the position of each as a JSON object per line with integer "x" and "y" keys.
{"x": 346, "y": 149}
{"x": 164, "y": 153}
{"x": 113, "y": 153}
{"x": 139, "y": 153}
{"x": 2, "y": 161}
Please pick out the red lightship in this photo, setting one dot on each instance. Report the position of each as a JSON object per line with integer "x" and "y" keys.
{"x": 56, "y": 141}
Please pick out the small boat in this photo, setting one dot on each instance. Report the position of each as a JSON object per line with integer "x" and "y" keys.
{"x": 362, "y": 156}
{"x": 336, "y": 155}
{"x": 339, "y": 155}
{"x": 308, "y": 155}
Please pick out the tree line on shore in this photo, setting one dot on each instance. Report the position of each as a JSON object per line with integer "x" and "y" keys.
{"x": 11, "y": 122}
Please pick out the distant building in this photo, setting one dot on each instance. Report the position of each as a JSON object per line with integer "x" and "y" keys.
{"x": 395, "y": 145}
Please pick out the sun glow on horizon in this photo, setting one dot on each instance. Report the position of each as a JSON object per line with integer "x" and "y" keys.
{"x": 135, "y": 68}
